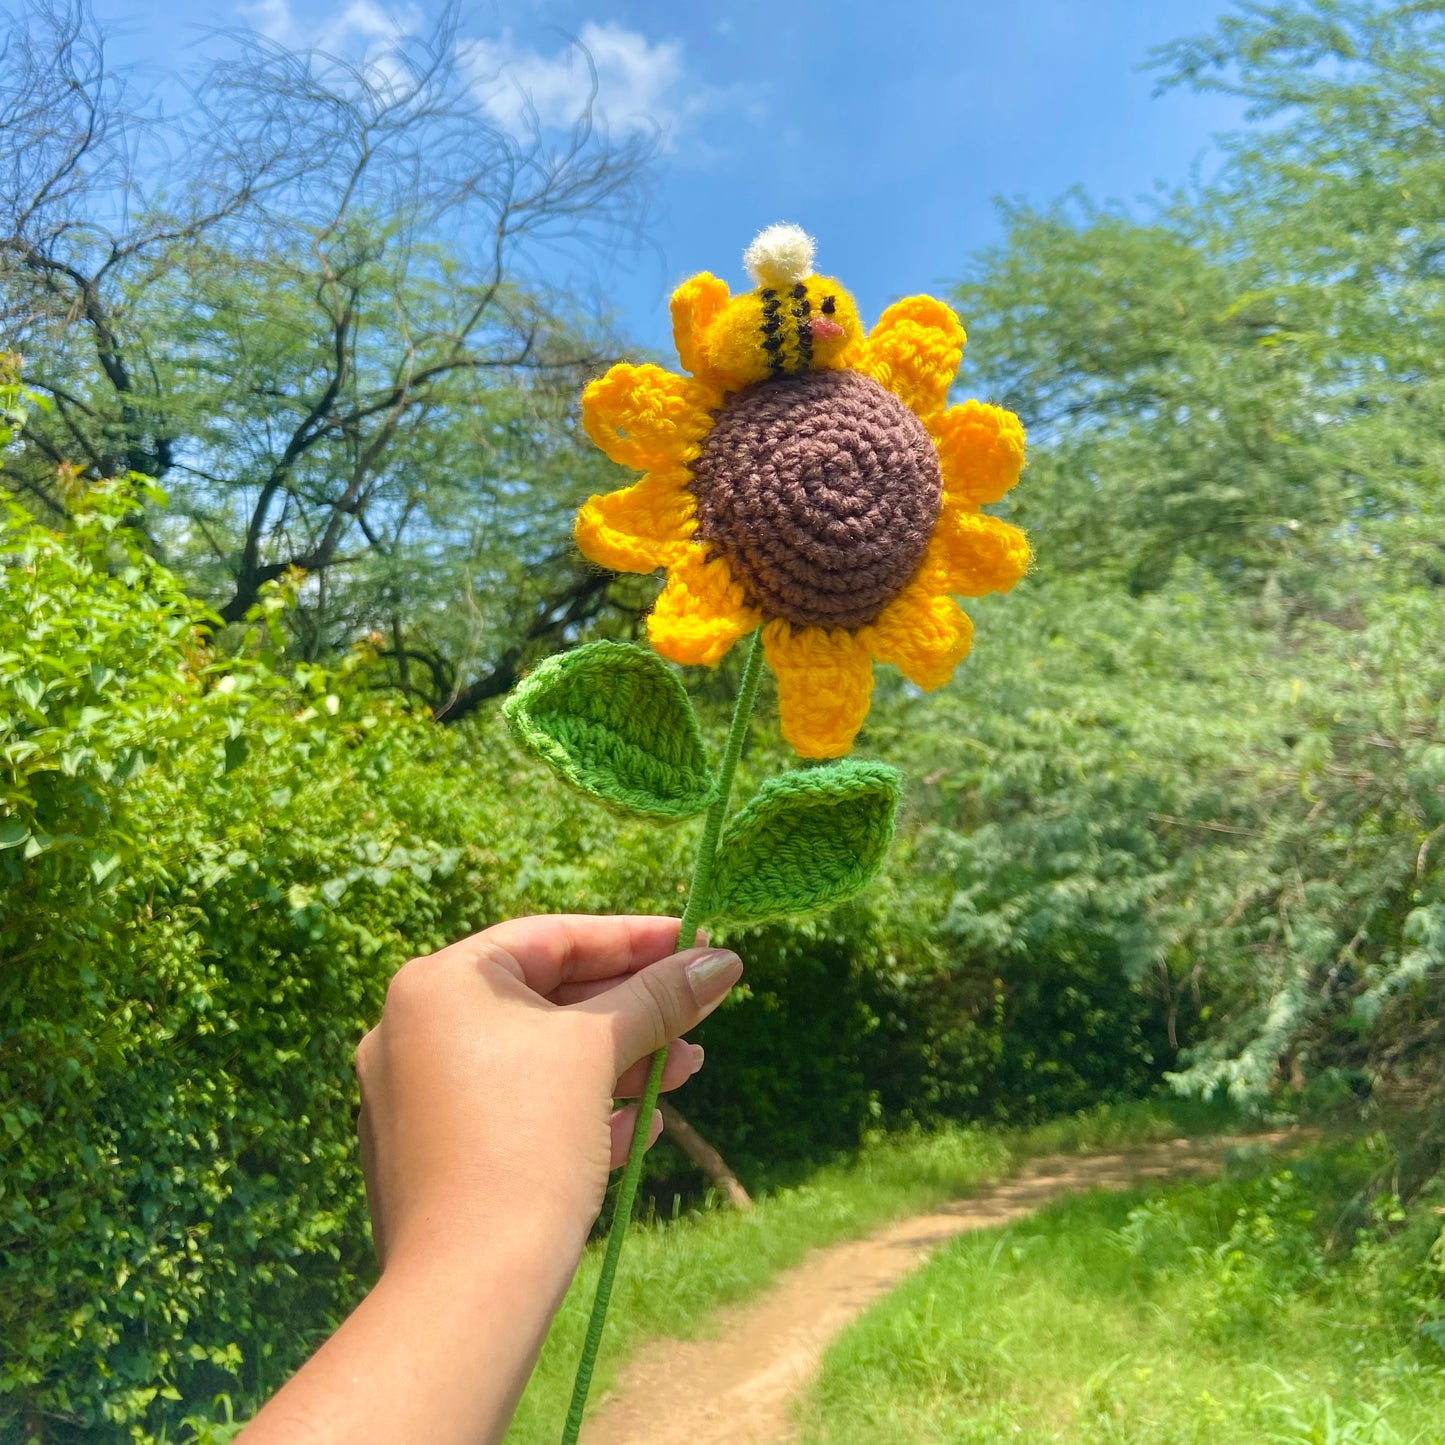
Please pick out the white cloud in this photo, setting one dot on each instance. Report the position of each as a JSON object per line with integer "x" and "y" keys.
{"x": 370, "y": 23}
{"x": 273, "y": 18}
{"x": 359, "y": 31}
{"x": 640, "y": 85}
{"x": 358, "y": 24}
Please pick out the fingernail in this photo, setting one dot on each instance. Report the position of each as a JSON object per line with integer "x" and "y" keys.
{"x": 713, "y": 973}
{"x": 700, "y": 939}
{"x": 697, "y": 1057}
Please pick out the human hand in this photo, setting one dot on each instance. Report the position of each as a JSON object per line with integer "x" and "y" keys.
{"x": 487, "y": 1086}
{"x": 486, "y": 1136}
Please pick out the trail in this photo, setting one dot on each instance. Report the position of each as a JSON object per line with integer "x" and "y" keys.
{"x": 735, "y": 1388}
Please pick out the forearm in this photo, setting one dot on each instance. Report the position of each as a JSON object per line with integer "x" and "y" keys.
{"x": 438, "y": 1351}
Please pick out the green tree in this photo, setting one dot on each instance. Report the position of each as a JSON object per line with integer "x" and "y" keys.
{"x": 1252, "y": 374}
{"x": 210, "y": 866}
{"x": 1249, "y": 379}
{"x": 314, "y": 307}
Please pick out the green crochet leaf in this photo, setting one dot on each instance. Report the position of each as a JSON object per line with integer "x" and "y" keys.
{"x": 616, "y": 723}
{"x": 808, "y": 840}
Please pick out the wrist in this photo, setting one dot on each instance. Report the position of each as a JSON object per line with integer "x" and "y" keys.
{"x": 486, "y": 1251}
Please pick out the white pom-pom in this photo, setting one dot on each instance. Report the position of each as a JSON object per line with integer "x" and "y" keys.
{"x": 780, "y": 256}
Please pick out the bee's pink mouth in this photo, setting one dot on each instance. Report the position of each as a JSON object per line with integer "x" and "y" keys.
{"x": 824, "y": 328}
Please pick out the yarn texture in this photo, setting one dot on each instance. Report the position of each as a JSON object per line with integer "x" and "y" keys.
{"x": 821, "y": 491}
{"x": 808, "y": 840}
{"x": 808, "y": 479}
{"x": 779, "y": 255}
{"x": 618, "y": 725}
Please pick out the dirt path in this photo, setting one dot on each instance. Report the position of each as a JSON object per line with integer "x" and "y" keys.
{"x": 735, "y": 1389}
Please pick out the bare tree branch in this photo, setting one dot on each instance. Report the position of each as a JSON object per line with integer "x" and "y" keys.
{"x": 315, "y": 304}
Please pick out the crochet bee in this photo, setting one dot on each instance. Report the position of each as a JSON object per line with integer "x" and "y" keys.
{"x": 794, "y": 322}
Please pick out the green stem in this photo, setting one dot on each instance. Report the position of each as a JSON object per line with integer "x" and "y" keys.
{"x": 692, "y": 916}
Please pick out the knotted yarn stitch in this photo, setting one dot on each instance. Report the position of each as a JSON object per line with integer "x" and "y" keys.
{"x": 590, "y": 734}
{"x": 822, "y": 491}
{"x": 809, "y": 479}
{"x": 701, "y": 612}
{"x": 641, "y": 417}
{"x": 916, "y": 354}
{"x": 992, "y": 441}
{"x": 975, "y": 556}
{"x": 825, "y": 682}
{"x": 829, "y": 826}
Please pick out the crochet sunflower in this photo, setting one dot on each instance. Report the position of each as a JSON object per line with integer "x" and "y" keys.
{"x": 810, "y": 480}
{"x": 812, "y": 487}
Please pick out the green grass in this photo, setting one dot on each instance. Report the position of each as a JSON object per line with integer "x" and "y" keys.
{"x": 1270, "y": 1306}
{"x": 674, "y": 1275}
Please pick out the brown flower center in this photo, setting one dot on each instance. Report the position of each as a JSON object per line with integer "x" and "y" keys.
{"x": 822, "y": 491}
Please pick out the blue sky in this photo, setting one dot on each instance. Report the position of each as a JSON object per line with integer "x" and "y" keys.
{"x": 886, "y": 129}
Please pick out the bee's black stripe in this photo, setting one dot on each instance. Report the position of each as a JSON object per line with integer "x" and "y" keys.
{"x": 773, "y": 331}
{"x": 801, "y": 307}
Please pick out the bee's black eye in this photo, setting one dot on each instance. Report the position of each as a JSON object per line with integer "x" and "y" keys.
{"x": 829, "y": 303}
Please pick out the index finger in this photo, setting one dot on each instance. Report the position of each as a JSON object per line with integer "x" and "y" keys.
{"x": 552, "y": 949}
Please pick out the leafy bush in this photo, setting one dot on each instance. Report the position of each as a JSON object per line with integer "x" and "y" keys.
{"x": 212, "y": 864}
{"x": 182, "y": 991}
{"x": 210, "y": 870}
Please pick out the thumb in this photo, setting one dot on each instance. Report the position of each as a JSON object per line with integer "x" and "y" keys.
{"x": 664, "y": 1000}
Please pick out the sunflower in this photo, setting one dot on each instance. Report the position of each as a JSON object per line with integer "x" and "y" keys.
{"x": 808, "y": 480}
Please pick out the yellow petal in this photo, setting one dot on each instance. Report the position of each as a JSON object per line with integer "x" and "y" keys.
{"x": 701, "y": 611}
{"x": 695, "y": 304}
{"x": 971, "y": 554}
{"x": 981, "y": 451}
{"x": 914, "y": 352}
{"x": 923, "y": 632}
{"x": 642, "y": 527}
{"x": 643, "y": 416}
{"x": 825, "y": 680}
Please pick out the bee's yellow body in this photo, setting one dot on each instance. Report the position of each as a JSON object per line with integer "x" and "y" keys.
{"x": 795, "y": 321}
